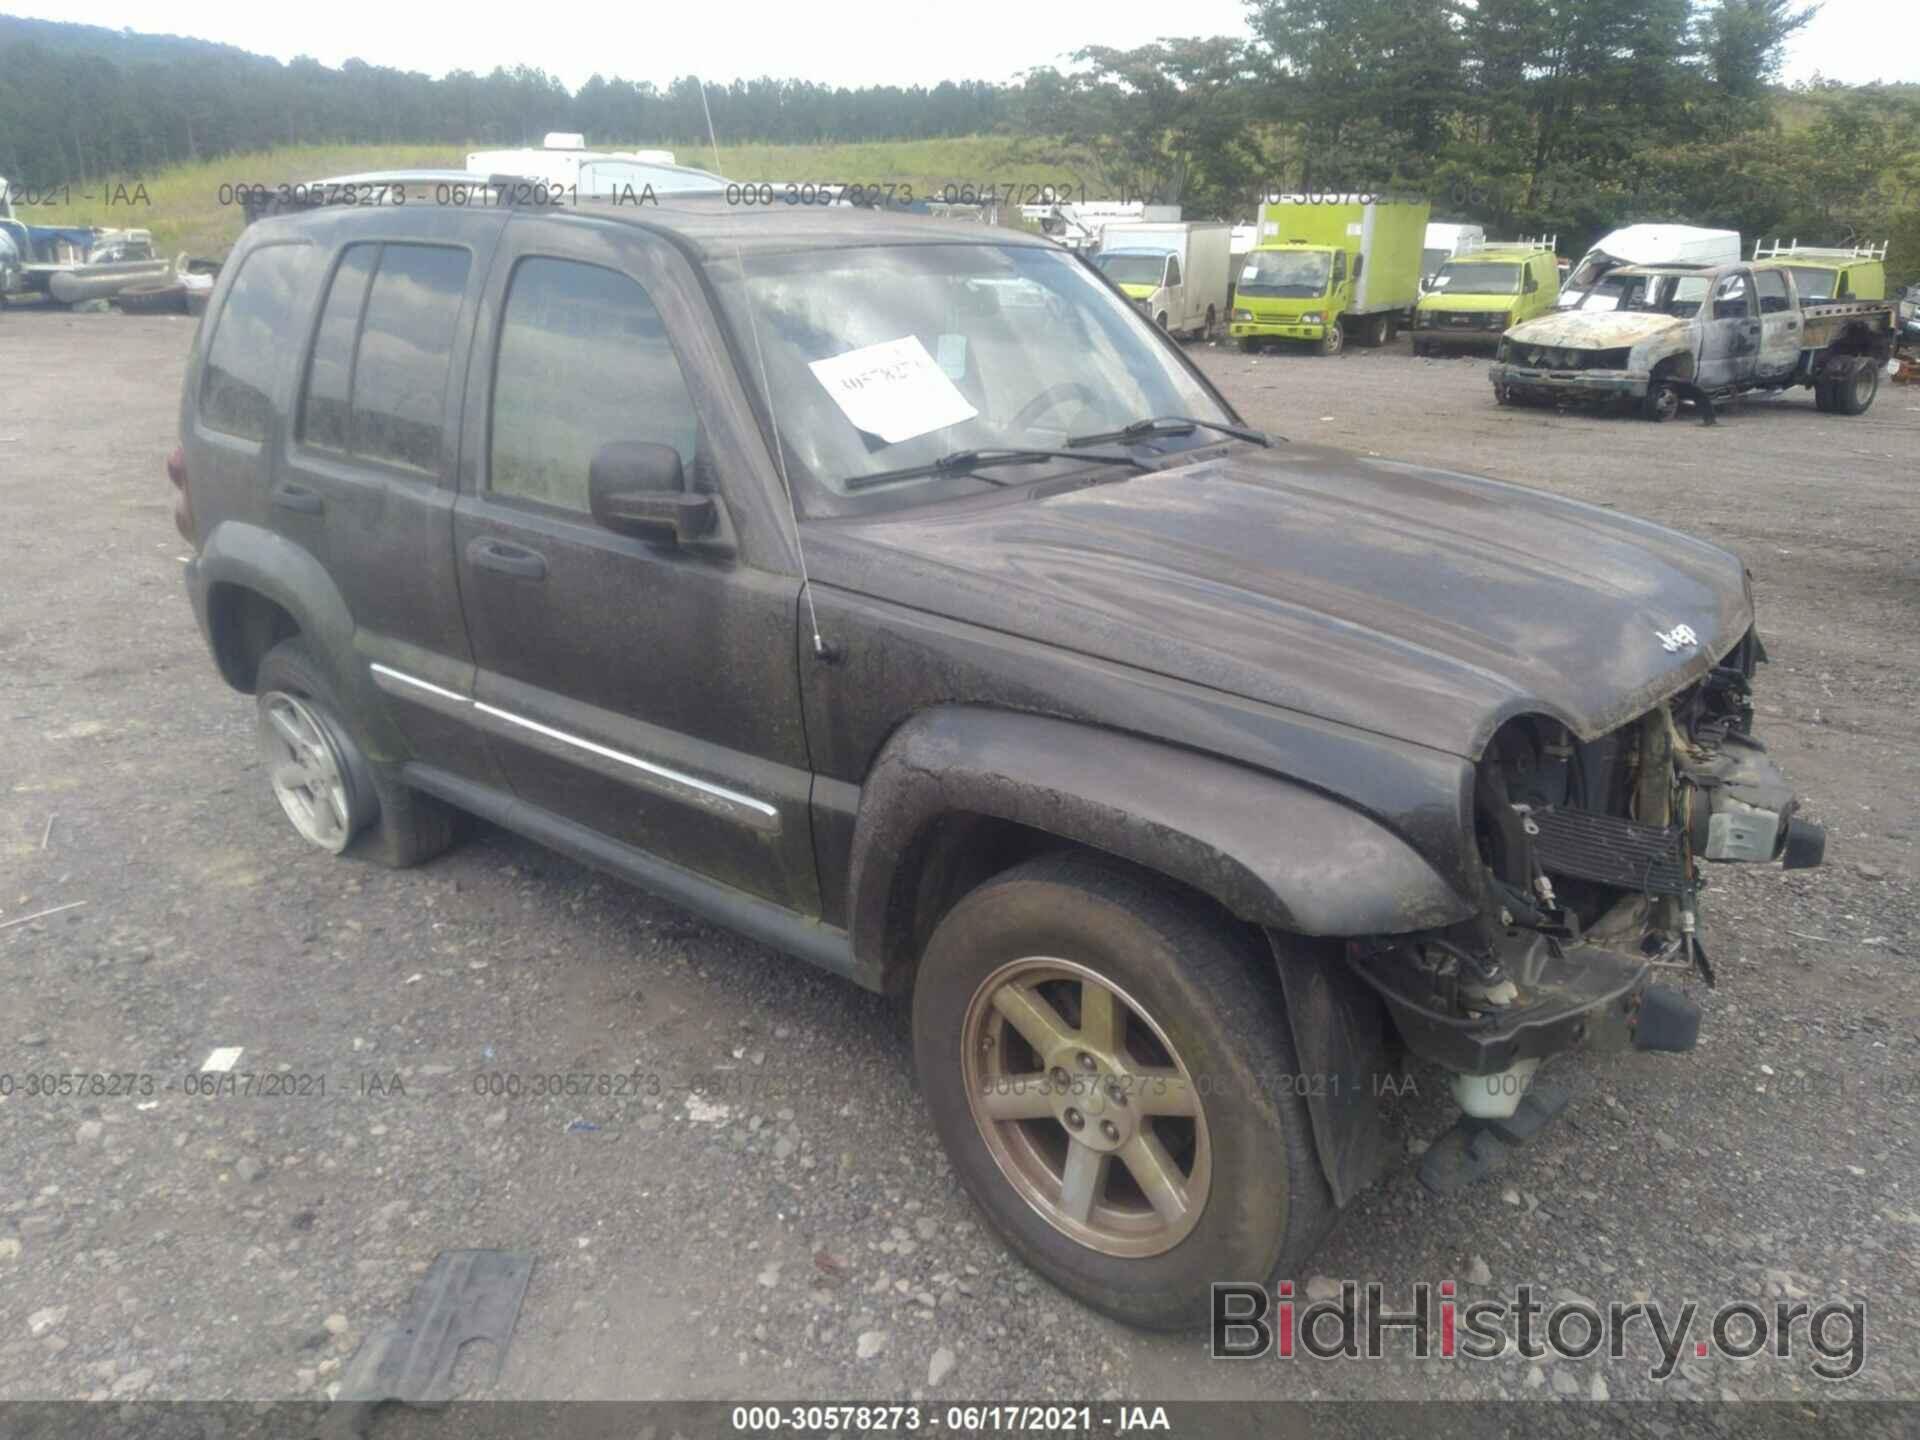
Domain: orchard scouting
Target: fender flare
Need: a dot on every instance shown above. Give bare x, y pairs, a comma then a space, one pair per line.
1271, 851
253, 558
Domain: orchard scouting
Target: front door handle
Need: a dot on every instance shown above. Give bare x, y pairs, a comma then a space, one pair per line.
297, 498
508, 559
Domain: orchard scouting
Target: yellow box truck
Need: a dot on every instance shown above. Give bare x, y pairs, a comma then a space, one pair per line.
1329, 266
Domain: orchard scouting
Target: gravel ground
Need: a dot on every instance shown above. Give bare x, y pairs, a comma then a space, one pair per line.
763, 1212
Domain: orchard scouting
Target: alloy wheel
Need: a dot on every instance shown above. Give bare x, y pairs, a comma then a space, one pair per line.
1085, 1106
308, 775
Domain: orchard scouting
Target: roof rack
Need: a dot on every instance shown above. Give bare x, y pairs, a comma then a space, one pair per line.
1794, 250
1525, 242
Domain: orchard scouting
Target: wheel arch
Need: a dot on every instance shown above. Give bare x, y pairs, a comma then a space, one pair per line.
256, 589
960, 793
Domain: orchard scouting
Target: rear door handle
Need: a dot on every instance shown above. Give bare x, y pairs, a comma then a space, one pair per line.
508, 559
297, 498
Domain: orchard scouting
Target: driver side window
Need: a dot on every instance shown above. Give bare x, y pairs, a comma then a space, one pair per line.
1173, 270
1339, 267
584, 361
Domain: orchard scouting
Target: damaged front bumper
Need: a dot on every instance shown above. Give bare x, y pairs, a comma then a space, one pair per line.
1588, 904
1592, 384
1564, 997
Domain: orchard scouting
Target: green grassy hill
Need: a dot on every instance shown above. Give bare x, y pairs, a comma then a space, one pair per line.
185, 209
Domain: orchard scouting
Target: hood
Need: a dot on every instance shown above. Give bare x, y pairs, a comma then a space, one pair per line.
1415, 603
1467, 301
1596, 329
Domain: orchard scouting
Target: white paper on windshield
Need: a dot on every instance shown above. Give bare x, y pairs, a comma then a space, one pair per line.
1252, 272
893, 390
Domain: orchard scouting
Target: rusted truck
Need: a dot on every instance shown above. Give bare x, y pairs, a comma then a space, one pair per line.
1646, 337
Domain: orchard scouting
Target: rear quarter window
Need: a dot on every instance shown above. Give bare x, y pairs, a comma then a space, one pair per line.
251, 332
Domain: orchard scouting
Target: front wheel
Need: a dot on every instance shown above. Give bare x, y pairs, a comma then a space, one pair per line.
1661, 402
1104, 1064
1332, 339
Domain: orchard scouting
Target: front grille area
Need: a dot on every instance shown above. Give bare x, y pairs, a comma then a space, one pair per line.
1555, 357
1642, 858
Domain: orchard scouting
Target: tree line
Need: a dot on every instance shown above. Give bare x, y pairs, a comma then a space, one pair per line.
1529, 116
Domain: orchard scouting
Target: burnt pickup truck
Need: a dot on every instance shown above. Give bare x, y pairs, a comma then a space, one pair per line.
1648, 336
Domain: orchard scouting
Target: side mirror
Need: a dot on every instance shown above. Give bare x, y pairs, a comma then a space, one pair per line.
636, 488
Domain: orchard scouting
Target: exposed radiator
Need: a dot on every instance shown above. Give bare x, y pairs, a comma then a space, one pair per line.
1643, 858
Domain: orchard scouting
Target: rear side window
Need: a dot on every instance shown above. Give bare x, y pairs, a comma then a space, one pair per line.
251, 331
377, 384
584, 361
1773, 291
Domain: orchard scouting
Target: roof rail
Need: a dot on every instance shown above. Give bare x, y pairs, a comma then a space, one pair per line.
1525, 242
1794, 250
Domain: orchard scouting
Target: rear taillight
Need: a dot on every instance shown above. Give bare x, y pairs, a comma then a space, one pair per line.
182, 501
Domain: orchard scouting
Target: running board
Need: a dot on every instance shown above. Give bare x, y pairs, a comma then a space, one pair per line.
813, 941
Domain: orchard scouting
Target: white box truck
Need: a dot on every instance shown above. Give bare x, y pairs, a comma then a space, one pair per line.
1687, 245
1176, 274
1445, 239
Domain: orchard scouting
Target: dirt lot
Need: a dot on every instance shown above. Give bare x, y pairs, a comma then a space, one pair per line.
741, 1238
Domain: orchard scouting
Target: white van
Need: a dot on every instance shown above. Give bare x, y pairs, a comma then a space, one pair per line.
1444, 241
1177, 274
1650, 245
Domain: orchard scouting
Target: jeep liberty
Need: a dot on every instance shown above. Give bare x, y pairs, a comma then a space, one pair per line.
894, 593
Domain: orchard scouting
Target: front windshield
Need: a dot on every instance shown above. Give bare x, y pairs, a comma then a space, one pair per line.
1432, 260
1677, 295
1299, 273
1478, 277
885, 357
1134, 269
1590, 269
1813, 283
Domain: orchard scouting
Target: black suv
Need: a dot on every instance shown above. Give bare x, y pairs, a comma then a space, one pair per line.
890, 591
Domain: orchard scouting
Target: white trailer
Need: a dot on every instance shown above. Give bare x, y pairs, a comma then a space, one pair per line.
1178, 274
1445, 240
563, 162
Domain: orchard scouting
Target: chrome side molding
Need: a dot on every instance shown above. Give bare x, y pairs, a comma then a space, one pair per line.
617, 765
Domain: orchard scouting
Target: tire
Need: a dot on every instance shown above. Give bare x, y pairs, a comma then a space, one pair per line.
1161, 319
1375, 335
1660, 403
1854, 392
1215, 1003
385, 821
1420, 349
1333, 341
1213, 325
167, 298
1823, 396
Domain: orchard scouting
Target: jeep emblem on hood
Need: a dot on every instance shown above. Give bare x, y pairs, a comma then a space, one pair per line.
1680, 637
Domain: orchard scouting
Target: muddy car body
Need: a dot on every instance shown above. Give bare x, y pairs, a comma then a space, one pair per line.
1188, 783
1646, 335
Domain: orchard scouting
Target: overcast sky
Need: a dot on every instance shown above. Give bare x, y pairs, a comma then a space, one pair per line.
852, 42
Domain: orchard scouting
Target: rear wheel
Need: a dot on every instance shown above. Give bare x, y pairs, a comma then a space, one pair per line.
1854, 392
1378, 328
1420, 347
333, 795
1097, 1056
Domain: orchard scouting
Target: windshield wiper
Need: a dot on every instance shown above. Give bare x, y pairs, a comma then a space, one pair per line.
1170, 425
960, 461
